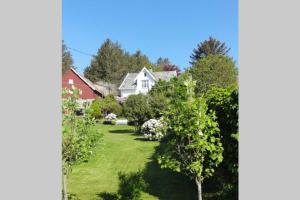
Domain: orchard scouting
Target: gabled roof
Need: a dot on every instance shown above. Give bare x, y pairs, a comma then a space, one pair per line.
129, 80
87, 81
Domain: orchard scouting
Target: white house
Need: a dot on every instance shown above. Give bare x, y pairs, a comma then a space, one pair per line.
142, 82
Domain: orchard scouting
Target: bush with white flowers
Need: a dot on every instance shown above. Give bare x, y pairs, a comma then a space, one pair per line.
153, 129
111, 117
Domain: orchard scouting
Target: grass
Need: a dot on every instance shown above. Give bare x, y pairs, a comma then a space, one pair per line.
123, 150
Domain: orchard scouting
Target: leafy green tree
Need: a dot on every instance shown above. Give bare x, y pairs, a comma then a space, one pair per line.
158, 103
137, 109
96, 110
67, 60
193, 145
110, 105
78, 135
224, 102
213, 70
211, 46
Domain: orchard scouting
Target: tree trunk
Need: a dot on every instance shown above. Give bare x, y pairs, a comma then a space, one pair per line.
198, 183
65, 197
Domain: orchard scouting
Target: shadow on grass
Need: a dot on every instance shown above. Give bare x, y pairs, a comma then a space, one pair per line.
124, 131
107, 196
166, 184
142, 139
162, 183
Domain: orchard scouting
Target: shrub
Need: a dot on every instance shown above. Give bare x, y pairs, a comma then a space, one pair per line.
110, 119
95, 107
158, 103
137, 109
111, 116
110, 105
224, 102
79, 136
131, 185
153, 129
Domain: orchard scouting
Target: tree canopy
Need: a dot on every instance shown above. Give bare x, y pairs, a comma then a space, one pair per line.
67, 60
213, 70
193, 144
112, 63
208, 47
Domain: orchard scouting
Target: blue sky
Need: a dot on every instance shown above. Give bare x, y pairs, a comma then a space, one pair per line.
162, 28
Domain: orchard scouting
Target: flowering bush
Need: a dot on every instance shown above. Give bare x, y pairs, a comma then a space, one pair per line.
153, 129
111, 116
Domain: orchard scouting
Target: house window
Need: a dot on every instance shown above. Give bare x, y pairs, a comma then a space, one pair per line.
145, 84
145, 74
70, 81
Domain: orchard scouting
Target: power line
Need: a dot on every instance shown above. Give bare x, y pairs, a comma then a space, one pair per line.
79, 51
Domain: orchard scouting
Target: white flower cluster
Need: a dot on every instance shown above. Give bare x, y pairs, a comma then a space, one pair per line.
111, 116
153, 129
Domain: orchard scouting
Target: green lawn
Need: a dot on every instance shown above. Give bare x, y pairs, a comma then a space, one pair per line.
122, 150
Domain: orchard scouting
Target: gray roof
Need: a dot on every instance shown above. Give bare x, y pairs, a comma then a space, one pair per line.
166, 75
128, 82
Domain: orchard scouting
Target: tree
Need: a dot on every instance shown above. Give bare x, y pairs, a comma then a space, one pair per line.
110, 105
139, 61
106, 63
137, 109
224, 101
78, 136
96, 110
171, 67
158, 103
193, 145
67, 60
112, 63
213, 70
211, 46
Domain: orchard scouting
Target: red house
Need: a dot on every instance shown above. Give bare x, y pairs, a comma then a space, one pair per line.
88, 91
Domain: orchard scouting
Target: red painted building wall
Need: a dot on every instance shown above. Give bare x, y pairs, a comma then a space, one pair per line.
86, 91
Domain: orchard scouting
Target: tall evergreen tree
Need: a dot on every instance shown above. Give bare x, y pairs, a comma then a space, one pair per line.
112, 63
106, 63
211, 46
67, 60
140, 60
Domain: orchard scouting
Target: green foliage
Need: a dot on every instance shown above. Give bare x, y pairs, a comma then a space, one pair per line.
218, 70
96, 110
110, 105
131, 185
112, 63
193, 146
67, 60
78, 134
211, 46
158, 103
137, 109
224, 102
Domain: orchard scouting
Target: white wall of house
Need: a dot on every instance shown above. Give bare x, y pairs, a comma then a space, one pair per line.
127, 92
144, 76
